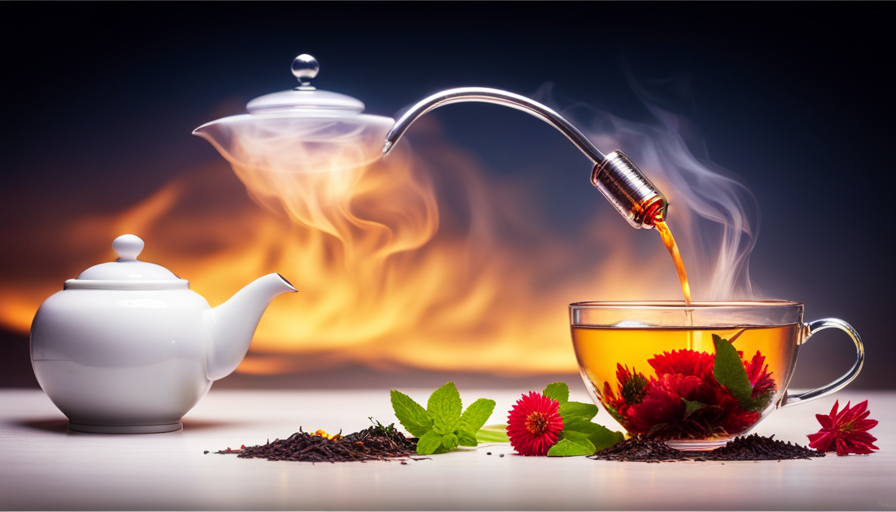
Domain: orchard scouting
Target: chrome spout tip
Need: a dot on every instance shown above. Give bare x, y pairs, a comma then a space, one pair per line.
387, 147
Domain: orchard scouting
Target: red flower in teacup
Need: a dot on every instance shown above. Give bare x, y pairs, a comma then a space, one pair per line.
846, 431
690, 397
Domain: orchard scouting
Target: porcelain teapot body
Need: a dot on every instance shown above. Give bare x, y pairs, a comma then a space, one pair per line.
129, 348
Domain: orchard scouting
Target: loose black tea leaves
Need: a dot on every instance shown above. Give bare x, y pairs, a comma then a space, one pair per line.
756, 447
750, 448
378, 442
640, 451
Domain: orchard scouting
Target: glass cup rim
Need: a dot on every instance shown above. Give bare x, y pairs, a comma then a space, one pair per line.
680, 304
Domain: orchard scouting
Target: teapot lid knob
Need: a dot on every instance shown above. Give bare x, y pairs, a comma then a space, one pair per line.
127, 247
305, 67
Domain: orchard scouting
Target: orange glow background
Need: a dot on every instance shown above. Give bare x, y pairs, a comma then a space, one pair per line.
386, 279
460, 253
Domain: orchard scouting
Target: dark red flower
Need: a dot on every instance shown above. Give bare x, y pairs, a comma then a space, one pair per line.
684, 400
533, 424
760, 378
631, 384
684, 362
845, 432
662, 413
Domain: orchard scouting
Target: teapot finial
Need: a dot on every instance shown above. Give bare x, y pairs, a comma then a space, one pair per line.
305, 68
128, 247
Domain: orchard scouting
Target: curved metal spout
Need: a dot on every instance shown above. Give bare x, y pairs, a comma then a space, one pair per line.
620, 180
498, 97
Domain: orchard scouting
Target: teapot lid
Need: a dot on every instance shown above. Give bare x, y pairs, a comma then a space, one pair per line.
299, 131
127, 272
305, 100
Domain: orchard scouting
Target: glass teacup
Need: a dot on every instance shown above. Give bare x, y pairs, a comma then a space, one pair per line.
695, 376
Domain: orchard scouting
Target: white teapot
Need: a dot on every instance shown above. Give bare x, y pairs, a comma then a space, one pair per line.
127, 347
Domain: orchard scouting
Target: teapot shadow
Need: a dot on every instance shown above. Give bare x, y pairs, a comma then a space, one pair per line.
52, 425
60, 426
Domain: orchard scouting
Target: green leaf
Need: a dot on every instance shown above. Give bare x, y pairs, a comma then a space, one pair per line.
429, 443
412, 415
558, 391
444, 406
476, 415
465, 438
599, 436
449, 442
577, 409
493, 434
691, 407
572, 447
605, 438
578, 424
729, 371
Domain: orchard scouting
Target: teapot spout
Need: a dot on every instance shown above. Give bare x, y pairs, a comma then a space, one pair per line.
221, 135
233, 323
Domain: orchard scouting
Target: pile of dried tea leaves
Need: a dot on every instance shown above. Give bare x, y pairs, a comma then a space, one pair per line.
750, 448
378, 442
637, 450
756, 447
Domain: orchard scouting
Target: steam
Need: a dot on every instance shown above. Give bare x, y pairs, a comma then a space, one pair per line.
714, 217
422, 260
327, 175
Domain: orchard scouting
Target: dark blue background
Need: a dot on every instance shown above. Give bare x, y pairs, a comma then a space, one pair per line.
99, 99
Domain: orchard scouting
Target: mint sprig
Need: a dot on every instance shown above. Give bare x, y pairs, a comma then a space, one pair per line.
580, 436
729, 371
442, 426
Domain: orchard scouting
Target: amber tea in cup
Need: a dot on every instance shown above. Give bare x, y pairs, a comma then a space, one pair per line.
695, 375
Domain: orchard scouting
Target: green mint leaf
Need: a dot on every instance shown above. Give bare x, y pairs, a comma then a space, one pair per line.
444, 406
465, 438
577, 409
476, 415
449, 442
691, 407
558, 391
412, 416
429, 443
493, 434
729, 371
599, 436
572, 447
605, 438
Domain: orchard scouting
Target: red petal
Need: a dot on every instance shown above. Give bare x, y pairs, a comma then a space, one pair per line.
863, 425
822, 441
842, 449
833, 413
825, 421
863, 437
840, 417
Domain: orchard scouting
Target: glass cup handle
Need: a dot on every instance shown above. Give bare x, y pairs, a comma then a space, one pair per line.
846, 378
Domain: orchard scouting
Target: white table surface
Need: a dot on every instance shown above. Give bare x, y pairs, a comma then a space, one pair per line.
44, 466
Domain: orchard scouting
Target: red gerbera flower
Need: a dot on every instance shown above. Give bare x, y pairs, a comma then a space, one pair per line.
533, 424
846, 431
